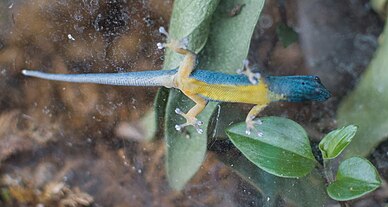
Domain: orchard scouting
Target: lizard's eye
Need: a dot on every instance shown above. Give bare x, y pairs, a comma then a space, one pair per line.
317, 79
303, 83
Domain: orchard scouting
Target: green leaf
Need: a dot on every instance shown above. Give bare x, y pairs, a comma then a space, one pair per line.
184, 156
336, 141
356, 177
223, 35
190, 19
225, 115
151, 121
230, 37
283, 149
366, 105
286, 35
186, 149
306, 192
380, 6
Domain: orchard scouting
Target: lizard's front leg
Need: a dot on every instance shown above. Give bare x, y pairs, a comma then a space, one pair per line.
180, 46
250, 120
248, 71
190, 117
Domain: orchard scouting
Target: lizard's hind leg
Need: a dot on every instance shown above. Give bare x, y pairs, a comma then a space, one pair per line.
250, 120
190, 117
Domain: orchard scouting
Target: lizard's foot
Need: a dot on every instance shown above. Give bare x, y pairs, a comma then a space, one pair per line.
173, 44
251, 127
190, 121
247, 70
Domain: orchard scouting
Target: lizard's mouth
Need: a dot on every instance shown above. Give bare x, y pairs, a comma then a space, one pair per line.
324, 94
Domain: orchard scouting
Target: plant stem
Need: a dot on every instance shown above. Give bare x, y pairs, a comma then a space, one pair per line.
328, 172
343, 203
329, 177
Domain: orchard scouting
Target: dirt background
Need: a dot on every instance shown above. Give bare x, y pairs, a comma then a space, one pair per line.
60, 143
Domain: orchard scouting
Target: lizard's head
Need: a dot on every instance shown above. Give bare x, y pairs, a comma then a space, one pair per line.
298, 88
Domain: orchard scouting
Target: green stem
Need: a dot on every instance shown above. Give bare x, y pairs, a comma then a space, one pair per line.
328, 172
329, 177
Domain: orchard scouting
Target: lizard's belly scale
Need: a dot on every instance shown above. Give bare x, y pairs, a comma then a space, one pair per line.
253, 94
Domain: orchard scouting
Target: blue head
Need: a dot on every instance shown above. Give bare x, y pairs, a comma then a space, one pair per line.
298, 88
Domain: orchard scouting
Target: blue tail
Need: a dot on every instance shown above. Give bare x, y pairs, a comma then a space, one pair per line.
142, 78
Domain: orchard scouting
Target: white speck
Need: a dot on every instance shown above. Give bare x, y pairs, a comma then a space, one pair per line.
70, 37
139, 171
268, 198
10, 6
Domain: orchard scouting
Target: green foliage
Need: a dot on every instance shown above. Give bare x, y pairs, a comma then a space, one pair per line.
185, 152
380, 6
336, 141
151, 120
311, 188
286, 35
366, 105
283, 149
356, 177
203, 22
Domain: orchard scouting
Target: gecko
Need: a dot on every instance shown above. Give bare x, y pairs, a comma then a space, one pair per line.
202, 86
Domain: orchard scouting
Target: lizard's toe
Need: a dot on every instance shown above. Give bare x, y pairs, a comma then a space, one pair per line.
178, 111
184, 43
199, 123
199, 130
251, 127
163, 31
252, 79
160, 45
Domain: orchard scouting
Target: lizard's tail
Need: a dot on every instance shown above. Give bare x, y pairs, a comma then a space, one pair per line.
142, 78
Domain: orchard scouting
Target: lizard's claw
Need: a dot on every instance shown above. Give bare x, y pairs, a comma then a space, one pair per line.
184, 43
247, 70
251, 127
190, 121
163, 31
160, 45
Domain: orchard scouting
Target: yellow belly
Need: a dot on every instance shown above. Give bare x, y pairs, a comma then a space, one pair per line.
252, 94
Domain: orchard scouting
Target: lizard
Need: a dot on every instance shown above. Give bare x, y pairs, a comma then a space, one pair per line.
202, 86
